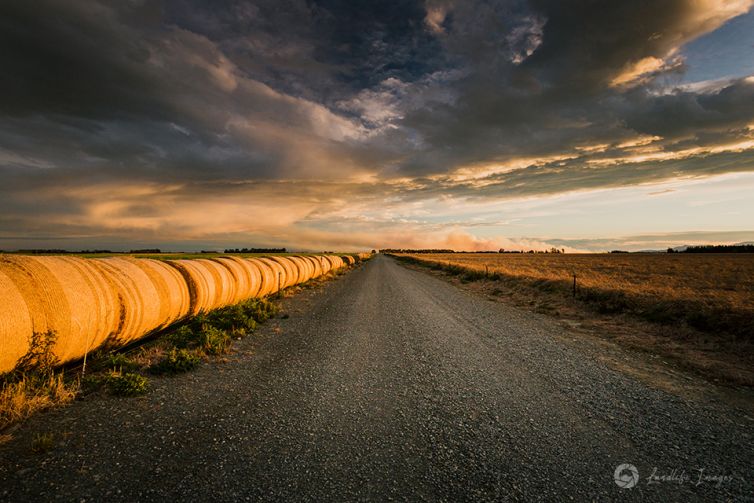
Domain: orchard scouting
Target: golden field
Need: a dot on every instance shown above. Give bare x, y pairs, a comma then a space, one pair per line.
709, 292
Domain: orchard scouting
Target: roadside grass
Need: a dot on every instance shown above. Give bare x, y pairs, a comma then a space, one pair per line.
37, 383
42, 442
708, 329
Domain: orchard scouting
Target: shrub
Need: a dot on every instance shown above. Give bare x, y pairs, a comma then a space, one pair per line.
213, 340
177, 361
183, 337
117, 361
128, 384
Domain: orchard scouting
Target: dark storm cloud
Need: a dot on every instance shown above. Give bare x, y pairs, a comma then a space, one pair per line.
560, 96
193, 94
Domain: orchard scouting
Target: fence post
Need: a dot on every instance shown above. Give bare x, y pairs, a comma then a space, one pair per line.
574, 285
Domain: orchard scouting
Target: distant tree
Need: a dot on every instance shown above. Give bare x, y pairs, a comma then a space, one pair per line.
670, 250
739, 248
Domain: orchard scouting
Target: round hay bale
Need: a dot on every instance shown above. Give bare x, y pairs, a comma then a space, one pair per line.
175, 300
278, 274
302, 269
254, 274
94, 305
225, 285
201, 283
268, 278
307, 267
316, 265
324, 264
349, 259
245, 275
335, 262
16, 328
238, 277
69, 297
291, 271
140, 302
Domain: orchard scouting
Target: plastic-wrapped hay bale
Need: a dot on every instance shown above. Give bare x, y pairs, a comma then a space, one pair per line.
201, 284
302, 269
291, 271
16, 327
68, 296
349, 259
278, 273
245, 275
267, 276
175, 300
139, 300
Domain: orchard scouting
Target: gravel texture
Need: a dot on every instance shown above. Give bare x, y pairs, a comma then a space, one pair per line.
388, 384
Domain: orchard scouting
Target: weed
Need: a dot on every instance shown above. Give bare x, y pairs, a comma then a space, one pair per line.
23, 394
175, 362
127, 384
117, 361
213, 340
237, 319
34, 384
42, 442
183, 337
39, 357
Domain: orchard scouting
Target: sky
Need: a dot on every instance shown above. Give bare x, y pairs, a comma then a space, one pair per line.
355, 124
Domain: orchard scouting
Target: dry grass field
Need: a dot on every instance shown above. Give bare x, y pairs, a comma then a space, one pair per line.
700, 301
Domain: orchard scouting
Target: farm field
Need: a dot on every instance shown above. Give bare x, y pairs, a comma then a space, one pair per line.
698, 308
724, 281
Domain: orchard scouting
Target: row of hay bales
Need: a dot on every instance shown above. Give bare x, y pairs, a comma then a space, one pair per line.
91, 303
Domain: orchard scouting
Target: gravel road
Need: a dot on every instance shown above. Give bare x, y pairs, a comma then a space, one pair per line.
389, 384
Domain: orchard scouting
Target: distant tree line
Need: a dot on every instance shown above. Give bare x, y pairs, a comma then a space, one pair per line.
433, 250
747, 248
255, 250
